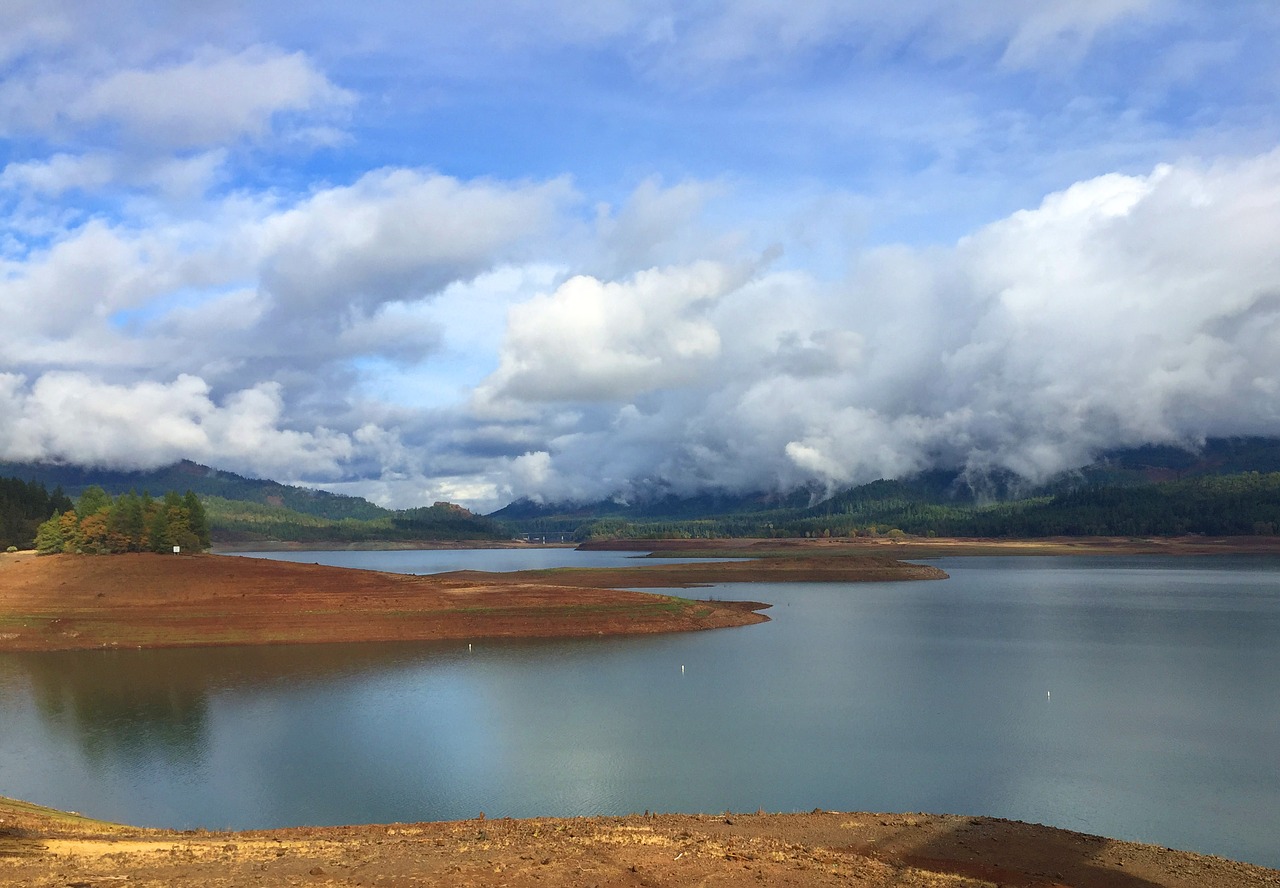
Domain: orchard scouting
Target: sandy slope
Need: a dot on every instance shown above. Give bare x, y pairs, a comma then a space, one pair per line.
42, 848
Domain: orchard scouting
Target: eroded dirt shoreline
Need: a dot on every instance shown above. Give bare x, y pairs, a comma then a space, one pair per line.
66, 602
42, 848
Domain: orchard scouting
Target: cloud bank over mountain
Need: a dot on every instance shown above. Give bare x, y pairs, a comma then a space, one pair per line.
577, 253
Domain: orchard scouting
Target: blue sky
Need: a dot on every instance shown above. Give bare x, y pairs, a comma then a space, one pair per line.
479, 251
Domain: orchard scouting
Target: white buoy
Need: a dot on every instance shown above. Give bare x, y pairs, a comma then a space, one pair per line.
682, 669
1048, 695
468, 647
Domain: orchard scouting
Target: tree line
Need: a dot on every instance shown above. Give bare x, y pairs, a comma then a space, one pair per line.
23, 505
99, 524
1246, 503
245, 522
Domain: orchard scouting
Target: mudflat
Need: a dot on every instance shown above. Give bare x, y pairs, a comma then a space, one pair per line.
39, 847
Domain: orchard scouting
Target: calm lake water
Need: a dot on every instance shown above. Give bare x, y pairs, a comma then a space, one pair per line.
431, 561
1132, 697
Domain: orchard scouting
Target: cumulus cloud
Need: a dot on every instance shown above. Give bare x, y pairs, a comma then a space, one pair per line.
75, 418
1123, 310
291, 301
592, 340
343, 272
398, 233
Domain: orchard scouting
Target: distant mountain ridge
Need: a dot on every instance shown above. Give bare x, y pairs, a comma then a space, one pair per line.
204, 481
250, 510
1083, 501
1163, 462
1155, 489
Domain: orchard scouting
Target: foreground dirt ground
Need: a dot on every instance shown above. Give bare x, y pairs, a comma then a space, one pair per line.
44, 848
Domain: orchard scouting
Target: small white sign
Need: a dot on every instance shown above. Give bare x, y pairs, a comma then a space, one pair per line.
177, 550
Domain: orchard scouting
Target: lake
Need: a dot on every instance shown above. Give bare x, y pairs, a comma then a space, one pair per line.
1131, 697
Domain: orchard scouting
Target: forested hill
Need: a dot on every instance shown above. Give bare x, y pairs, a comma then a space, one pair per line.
246, 510
1228, 487
201, 480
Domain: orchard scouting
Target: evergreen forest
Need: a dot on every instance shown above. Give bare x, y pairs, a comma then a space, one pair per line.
100, 524
24, 505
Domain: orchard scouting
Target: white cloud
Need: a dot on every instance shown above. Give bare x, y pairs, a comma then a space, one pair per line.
1123, 310
660, 225
175, 177
594, 340
397, 234
73, 417
344, 272
82, 280
60, 173
213, 99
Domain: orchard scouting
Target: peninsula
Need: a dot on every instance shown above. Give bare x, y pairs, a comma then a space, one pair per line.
143, 600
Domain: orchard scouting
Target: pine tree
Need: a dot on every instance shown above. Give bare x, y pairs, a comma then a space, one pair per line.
92, 501
49, 536
158, 537
196, 519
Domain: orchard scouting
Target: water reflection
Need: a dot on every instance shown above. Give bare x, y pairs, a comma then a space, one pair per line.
140, 704
115, 705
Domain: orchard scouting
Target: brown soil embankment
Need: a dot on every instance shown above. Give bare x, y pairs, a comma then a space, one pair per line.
42, 848
65, 602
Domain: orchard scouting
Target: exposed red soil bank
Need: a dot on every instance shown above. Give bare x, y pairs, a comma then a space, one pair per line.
64, 602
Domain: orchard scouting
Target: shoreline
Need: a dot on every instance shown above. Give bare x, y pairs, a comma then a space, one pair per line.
144, 600
44, 847
943, 547
894, 547
66, 602
232, 548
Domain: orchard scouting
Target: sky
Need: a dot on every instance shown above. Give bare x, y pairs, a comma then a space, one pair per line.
422, 251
